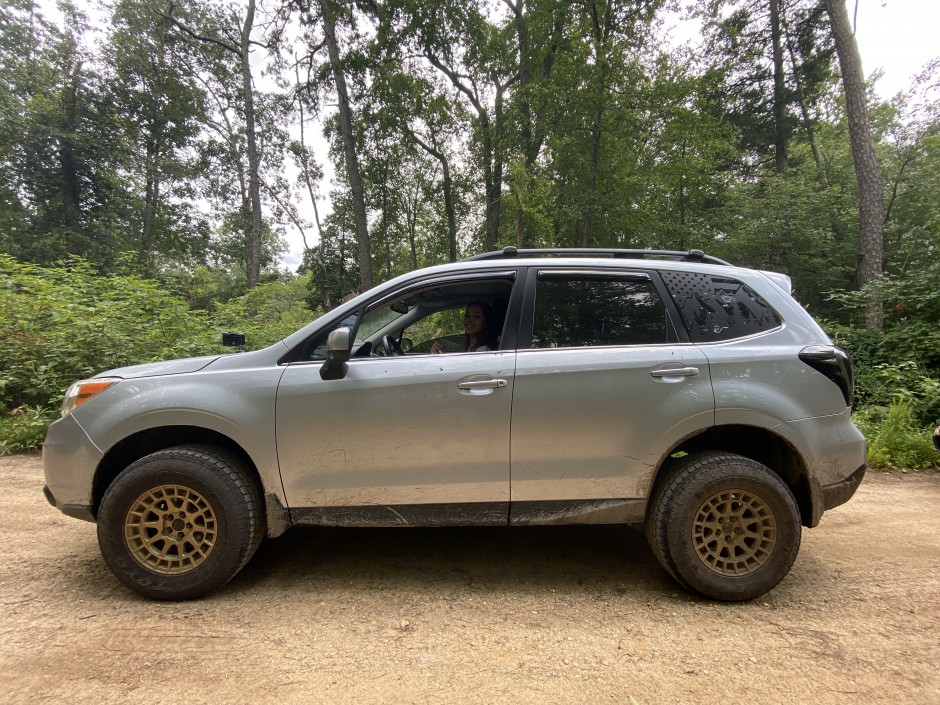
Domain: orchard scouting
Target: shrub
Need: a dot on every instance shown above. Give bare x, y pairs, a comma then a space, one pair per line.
23, 428
65, 323
61, 324
895, 439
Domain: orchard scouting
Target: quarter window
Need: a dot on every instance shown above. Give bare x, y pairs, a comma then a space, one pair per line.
716, 308
586, 311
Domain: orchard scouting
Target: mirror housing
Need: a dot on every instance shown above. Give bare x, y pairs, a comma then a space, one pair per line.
337, 345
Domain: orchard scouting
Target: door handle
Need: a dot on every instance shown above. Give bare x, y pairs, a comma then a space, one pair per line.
676, 372
483, 384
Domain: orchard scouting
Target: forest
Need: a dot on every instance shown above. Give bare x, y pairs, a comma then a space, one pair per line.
157, 155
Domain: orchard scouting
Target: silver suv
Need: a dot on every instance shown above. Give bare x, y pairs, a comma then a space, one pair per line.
667, 389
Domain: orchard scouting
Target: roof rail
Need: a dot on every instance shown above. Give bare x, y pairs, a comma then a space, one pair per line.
681, 255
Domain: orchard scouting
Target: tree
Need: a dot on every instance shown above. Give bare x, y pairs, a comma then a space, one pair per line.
867, 171
767, 97
233, 34
61, 144
349, 145
162, 107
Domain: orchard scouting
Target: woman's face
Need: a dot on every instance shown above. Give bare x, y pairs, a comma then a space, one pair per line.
474, 321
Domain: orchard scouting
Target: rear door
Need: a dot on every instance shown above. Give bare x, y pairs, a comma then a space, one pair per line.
604, 387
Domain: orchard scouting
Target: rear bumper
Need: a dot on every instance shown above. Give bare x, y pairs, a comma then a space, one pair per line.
841, 492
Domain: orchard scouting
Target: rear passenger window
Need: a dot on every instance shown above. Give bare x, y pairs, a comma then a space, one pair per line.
574, 311
715, 308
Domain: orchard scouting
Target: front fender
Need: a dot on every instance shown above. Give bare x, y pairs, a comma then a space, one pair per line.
237, 404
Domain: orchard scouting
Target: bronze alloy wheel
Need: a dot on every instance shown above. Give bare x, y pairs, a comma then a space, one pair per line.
734, 533
170, 529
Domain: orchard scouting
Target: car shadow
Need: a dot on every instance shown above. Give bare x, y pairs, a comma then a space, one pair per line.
456, 558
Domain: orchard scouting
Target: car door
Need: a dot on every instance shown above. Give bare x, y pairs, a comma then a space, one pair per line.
411, 438
604, 387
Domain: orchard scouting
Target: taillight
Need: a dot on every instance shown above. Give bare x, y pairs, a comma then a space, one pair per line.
835, 364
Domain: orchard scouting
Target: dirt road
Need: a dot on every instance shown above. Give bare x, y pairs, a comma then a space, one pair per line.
560, 615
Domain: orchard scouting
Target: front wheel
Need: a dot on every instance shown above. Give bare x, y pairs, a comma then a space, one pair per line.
724, 525
180, 522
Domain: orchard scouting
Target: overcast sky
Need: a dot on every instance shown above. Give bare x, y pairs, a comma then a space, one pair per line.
897, 36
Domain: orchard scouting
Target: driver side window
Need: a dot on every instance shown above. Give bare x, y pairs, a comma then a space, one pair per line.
461, 316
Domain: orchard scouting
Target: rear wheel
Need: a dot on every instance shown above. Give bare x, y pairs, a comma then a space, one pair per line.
724, 525
180, 522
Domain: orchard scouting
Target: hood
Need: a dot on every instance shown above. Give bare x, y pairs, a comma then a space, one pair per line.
156, 369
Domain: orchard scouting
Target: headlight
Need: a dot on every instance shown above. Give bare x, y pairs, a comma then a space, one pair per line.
80, 392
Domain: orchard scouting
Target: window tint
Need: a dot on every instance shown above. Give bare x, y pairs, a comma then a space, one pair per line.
578, 312
715, 308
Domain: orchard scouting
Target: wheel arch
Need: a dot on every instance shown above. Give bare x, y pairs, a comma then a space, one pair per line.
145, 442
760, 444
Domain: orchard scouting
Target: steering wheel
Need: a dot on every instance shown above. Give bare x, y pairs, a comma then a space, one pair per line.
391, 346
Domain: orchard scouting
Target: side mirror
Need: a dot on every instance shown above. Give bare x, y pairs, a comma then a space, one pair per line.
337, 345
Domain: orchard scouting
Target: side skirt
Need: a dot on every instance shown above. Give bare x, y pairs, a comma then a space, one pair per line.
561, 512
579, 511
468, 514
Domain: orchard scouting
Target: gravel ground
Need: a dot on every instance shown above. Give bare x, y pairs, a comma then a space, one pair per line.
547, 615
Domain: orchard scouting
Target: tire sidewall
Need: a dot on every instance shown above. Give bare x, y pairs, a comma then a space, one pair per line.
188, 470
694, 572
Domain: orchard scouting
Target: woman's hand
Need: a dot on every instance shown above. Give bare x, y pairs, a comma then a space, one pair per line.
437, 348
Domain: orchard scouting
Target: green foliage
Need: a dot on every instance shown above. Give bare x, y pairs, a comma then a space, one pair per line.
895, 439
266, 313
67, 323
23, 428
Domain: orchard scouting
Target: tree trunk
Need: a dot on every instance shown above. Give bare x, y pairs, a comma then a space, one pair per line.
494, 204
449, 209
349, 149
804, 107
253, 236
780, 108
68, 164
601, 36
151, 199
867, 172
489, 135
438, 153
588, 232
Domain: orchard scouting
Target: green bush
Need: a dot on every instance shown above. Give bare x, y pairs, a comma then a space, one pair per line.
267, 313
895, 439
884, 373
23, 428
61, 324
66, 323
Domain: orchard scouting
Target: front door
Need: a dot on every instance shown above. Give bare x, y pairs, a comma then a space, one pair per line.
404, 437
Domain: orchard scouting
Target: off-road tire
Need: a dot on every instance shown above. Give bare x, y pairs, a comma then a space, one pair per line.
180, 522
724, 526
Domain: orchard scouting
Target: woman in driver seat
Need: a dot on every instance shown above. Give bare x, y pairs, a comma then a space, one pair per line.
480, 333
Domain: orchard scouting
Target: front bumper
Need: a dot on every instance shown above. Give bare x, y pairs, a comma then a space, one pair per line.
70, 460
78, 511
